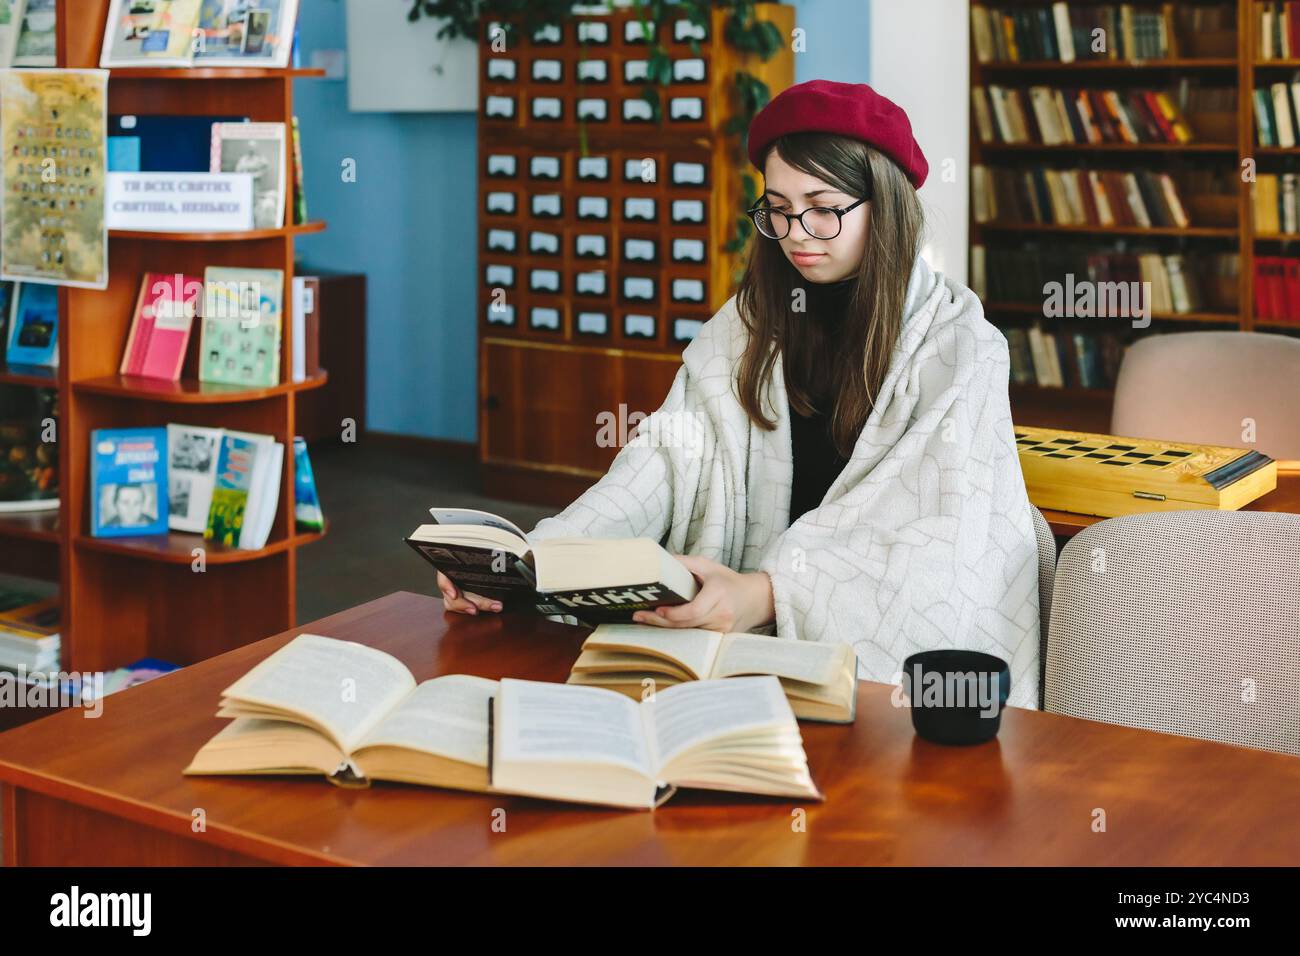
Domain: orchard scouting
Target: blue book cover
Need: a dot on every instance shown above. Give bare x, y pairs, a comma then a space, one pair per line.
128, 481
34, 325
307, 514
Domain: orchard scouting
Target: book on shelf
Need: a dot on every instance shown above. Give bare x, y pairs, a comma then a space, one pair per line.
29, 455
242, 34
1061, 358
531, 738
149, 33
819, 680
128, 481
242, 318
11, 18
259, 150
299, 191
33, 334
307, 515
36, 44
306, 327
29, 635
246, 490
160, 327
1277, 289
184, 33
596, 580
192, 453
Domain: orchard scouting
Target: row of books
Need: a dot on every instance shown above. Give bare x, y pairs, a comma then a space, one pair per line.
1273, 197
1178, 283
1057, 116
29, 323
241, 326
27, 33
1075, 197
1277, 288
270, 152
222, 483
257, 33
1066, 32
29, 631
1277, 30
1277, 107
1063, 359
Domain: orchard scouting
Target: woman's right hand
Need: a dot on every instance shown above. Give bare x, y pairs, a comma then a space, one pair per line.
464, 602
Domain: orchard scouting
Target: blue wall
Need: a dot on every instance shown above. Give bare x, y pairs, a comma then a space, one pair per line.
408, 221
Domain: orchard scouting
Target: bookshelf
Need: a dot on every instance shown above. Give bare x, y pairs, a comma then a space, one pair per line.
1213, 58
126, 598
561, 354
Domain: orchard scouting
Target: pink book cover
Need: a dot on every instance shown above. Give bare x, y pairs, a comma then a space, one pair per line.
169, 303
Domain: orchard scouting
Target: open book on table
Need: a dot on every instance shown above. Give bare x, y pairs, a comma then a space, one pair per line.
354, 714
820, 680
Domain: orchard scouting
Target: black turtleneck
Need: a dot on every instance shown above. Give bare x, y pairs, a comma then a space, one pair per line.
817, 463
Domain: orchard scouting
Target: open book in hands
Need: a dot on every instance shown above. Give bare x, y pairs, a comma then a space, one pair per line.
593, 579
353, 713
820, 680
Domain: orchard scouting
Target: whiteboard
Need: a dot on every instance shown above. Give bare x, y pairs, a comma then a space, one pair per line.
395, 66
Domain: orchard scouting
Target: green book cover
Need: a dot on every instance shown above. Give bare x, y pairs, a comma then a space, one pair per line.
242, 320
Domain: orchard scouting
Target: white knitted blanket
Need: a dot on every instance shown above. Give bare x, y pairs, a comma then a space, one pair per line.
926, 538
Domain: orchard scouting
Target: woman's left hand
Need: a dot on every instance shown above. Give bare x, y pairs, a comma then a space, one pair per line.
727, 600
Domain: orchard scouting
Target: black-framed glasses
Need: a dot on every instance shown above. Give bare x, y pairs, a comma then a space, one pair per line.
820, 222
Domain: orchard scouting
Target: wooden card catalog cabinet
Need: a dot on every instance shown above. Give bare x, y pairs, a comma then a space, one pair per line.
602, 231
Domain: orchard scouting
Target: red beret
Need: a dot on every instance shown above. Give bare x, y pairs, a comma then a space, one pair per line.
849, 109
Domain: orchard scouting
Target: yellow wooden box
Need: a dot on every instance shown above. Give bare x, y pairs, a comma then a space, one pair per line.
1109, 475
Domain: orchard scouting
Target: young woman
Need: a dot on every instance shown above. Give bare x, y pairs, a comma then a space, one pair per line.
852, 472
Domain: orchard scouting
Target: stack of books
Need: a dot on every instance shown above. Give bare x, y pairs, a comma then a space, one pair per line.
1077, 197
1053, 116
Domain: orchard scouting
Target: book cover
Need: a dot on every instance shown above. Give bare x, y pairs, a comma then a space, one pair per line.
299, 194
244, 33
307, 514
149, 33
33, 325
242, 316
192, 453
232, 488
160, 331
36, 45
128, 481
257, 149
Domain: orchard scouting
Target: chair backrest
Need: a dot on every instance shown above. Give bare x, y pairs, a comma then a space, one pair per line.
1183, 622
1046, 572
1200, 386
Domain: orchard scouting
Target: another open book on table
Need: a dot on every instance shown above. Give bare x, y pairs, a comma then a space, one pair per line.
820, 680
593, 579
353, 713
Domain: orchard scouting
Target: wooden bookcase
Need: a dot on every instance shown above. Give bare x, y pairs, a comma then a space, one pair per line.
541, 387
1201, 59
125, 598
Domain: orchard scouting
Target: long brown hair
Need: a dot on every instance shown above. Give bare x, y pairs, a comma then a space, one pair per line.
858, 360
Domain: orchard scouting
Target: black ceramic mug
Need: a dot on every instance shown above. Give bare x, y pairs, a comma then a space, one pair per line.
956, 696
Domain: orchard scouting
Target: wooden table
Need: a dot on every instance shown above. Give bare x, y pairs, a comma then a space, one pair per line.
1286, 497
110, 791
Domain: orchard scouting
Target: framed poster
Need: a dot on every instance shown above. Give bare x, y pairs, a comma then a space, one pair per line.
53, 128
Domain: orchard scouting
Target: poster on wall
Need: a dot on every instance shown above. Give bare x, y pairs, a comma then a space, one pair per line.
53, 126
